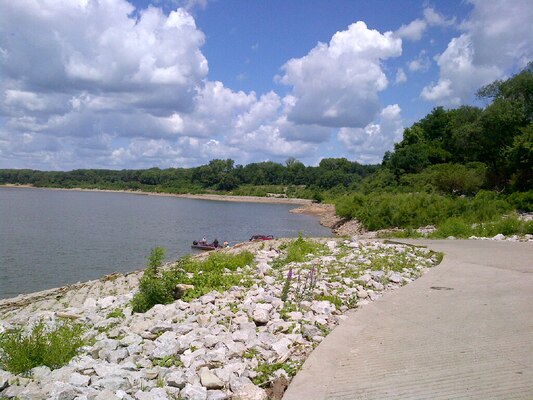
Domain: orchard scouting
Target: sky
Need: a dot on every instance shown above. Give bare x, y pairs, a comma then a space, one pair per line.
176, 83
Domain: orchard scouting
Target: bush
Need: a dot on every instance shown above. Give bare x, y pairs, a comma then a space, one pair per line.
412, 210
52, 347
217, 272
522, 201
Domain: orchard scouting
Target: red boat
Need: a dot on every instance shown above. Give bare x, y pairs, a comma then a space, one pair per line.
203, 245
257, 238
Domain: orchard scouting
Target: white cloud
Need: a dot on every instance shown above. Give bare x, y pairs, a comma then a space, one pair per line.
497, 39
400, 76
433, 18
369, 144
412, 31
337, 84
420, 63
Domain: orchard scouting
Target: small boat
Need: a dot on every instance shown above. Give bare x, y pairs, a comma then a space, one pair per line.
257, 238
202, 245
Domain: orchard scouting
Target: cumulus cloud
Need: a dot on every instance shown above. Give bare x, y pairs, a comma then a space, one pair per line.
337, 84
368, 144
496, 40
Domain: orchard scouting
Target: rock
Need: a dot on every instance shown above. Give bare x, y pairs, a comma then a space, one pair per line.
77, 379
180, 289
281, 347
176, 379
152, 373
261, 314
194, 392
362, 294
310, 331
107, 394
153, 394
364, 278
210, 380
377, 285
4, 379
166, 345
217, 395
396, 278
244, 389
322, 307
62, 391
106, 301
499, 236
38, 373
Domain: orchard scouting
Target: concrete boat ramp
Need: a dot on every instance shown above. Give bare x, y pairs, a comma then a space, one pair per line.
464, 330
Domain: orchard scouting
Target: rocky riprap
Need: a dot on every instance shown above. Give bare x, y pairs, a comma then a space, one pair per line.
245, 343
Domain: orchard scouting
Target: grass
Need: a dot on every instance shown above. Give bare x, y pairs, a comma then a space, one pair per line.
220, 271
51, 347
298, 250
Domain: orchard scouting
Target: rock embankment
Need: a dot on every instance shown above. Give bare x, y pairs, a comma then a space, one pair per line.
245, 343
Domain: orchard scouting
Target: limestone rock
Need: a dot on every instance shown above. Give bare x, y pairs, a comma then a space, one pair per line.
194, 392
210, 380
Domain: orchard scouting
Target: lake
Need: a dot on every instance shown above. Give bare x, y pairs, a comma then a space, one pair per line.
51, 238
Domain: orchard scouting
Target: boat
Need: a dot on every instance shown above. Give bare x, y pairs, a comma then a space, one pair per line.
202, 245
258, 238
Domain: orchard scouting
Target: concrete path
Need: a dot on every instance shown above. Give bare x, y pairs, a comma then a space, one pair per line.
462, 331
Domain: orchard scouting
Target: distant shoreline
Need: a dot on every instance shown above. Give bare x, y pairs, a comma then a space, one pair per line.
213, 197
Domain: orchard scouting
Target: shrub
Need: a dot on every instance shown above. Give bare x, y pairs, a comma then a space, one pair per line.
52, 347
217, 272
297, 250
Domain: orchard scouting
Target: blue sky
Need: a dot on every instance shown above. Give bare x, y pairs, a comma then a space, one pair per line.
176, 83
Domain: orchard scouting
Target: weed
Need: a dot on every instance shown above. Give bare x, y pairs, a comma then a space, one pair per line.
53, 347
265, 371
116, 313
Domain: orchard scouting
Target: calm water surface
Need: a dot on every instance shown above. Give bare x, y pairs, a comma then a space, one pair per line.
50, 238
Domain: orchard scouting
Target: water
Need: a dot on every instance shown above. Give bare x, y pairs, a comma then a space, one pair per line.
50, 238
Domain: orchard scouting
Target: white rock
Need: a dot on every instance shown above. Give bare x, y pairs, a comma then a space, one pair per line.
77, 379
153, 394
217, 395
60, 391
499, 236
322, 307
176, 379
210, 380
4, 379
396, 278
362, 294
281, 347
244, 389
106, 301
194, 392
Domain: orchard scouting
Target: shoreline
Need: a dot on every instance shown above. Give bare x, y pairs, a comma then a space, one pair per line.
204, 196
246, 342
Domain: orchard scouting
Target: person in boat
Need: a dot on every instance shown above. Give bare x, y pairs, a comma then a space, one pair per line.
204, 240
215, 243
225, 244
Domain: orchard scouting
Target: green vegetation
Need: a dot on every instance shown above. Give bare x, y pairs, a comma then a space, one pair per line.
265, 371
116, 313
51, 347
298, 250
219, 271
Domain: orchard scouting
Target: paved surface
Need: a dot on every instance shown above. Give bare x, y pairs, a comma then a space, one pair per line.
462, 331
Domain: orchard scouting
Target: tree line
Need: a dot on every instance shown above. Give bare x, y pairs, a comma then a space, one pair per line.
450, 151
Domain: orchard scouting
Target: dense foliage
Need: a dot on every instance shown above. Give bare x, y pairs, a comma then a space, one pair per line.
49, 346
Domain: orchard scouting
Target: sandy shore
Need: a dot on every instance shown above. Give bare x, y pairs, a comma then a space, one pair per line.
214, 197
